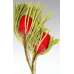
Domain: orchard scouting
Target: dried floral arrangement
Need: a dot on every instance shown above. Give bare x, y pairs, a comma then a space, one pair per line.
30, 31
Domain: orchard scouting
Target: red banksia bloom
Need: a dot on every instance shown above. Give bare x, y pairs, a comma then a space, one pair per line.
43, 43
24, 24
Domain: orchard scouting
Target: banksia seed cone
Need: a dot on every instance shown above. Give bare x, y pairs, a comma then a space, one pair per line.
43, 43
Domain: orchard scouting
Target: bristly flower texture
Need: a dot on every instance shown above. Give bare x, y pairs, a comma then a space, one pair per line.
29, 25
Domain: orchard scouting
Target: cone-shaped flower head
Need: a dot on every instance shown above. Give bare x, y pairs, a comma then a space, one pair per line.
25, 24
43, 43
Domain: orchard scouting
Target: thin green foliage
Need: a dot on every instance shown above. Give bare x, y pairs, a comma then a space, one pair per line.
38, 20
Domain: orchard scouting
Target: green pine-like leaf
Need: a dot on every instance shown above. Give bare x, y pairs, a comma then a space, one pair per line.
53, 43
38, 20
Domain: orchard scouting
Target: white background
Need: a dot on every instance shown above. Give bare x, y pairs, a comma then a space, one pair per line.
66, 31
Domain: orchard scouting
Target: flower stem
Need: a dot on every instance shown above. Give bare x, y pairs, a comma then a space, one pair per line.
32, 65
26, 52
33, 68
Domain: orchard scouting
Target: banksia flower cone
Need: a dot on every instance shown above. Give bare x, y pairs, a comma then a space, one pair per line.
43, 43
25, 24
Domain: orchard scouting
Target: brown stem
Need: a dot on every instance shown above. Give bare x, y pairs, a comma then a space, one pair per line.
25, 49
34, 64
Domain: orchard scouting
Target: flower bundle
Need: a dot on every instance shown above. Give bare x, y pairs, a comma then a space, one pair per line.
29, 27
